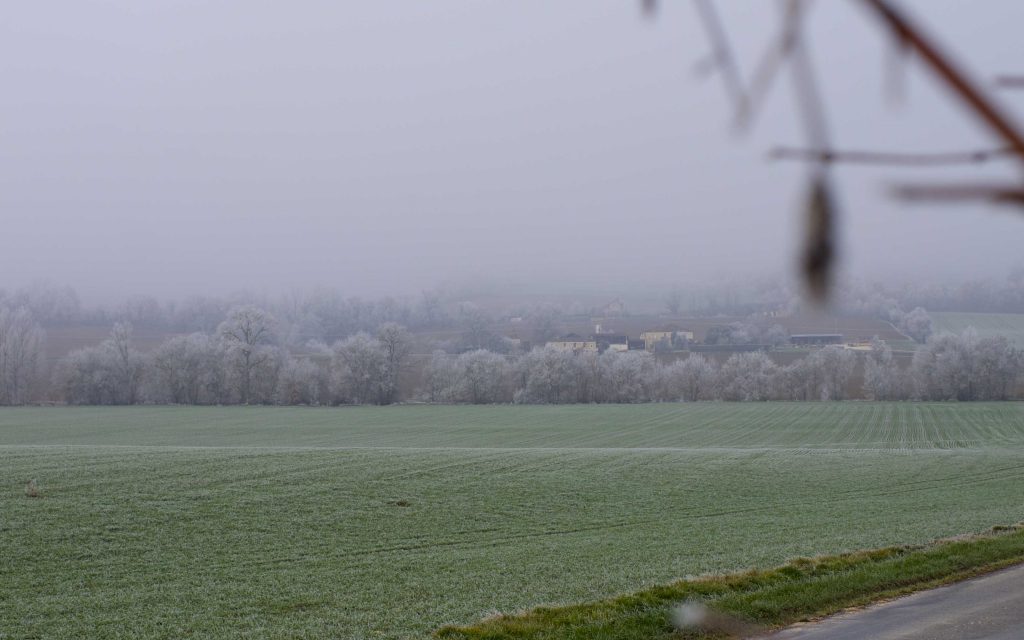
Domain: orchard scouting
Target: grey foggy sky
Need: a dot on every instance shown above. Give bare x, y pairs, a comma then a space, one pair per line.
172, 147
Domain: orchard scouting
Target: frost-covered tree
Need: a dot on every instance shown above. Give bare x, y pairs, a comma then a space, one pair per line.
942, 368
999, 366
917, 324
362, 369
246, 334
199, 313
86, 376
882, 380
441, 377
396, 341
482, 378
626, 376
129, 365
965, 367
836, 364
21, 350
747, 376
302, 381
190, 370
687, 380
801, 380
109, 373
547, 376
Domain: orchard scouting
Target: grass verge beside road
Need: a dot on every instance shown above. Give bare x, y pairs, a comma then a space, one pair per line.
802, 589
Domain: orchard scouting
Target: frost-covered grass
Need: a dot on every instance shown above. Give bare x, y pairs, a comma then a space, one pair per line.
390, 522
1010, 325
751, 602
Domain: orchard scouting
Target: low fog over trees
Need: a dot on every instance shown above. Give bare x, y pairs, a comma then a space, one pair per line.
241, 364
329, 350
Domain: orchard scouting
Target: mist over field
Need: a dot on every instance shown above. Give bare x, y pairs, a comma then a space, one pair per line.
467, 319
172, 148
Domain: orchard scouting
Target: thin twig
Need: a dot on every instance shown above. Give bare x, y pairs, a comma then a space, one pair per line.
947, 193
889, 158
722, 54
770, 63
809, 100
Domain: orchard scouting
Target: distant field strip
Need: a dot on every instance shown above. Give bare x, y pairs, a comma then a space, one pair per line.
1010, 325
233, 522
854, 425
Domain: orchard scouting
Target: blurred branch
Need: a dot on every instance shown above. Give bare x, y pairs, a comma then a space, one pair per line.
896, 57
722, 57
996, 193
1007, 81
889, 158
942, 65
770, 63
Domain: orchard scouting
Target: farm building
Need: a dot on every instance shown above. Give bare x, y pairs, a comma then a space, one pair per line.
613, 341
670, 334
728, 348
815, 339
573, 342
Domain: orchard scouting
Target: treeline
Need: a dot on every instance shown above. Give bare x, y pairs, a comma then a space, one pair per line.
948, 367
244, 362
322, 314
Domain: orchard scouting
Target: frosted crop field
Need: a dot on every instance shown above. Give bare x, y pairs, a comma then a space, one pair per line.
1010, 325
389, 522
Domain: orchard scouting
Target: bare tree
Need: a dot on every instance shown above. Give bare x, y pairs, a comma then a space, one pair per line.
396, 341
245, 333
21, 346
674, 301
129, 365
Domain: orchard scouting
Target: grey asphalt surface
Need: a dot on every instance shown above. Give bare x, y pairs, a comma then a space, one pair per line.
990, 607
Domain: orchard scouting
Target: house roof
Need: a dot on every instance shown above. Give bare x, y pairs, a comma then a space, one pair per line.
572, 337
816, 335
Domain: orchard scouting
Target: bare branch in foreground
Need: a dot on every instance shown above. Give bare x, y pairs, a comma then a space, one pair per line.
1007, 81
721, 53
958, 81
1012, 194
890, 158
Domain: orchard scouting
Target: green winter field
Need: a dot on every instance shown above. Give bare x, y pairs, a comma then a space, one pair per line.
231, 522
1010, 325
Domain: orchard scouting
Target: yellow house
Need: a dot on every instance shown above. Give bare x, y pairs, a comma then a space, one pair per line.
651, 338
574, 343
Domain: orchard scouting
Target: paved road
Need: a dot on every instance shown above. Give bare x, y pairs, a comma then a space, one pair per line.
989, 607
